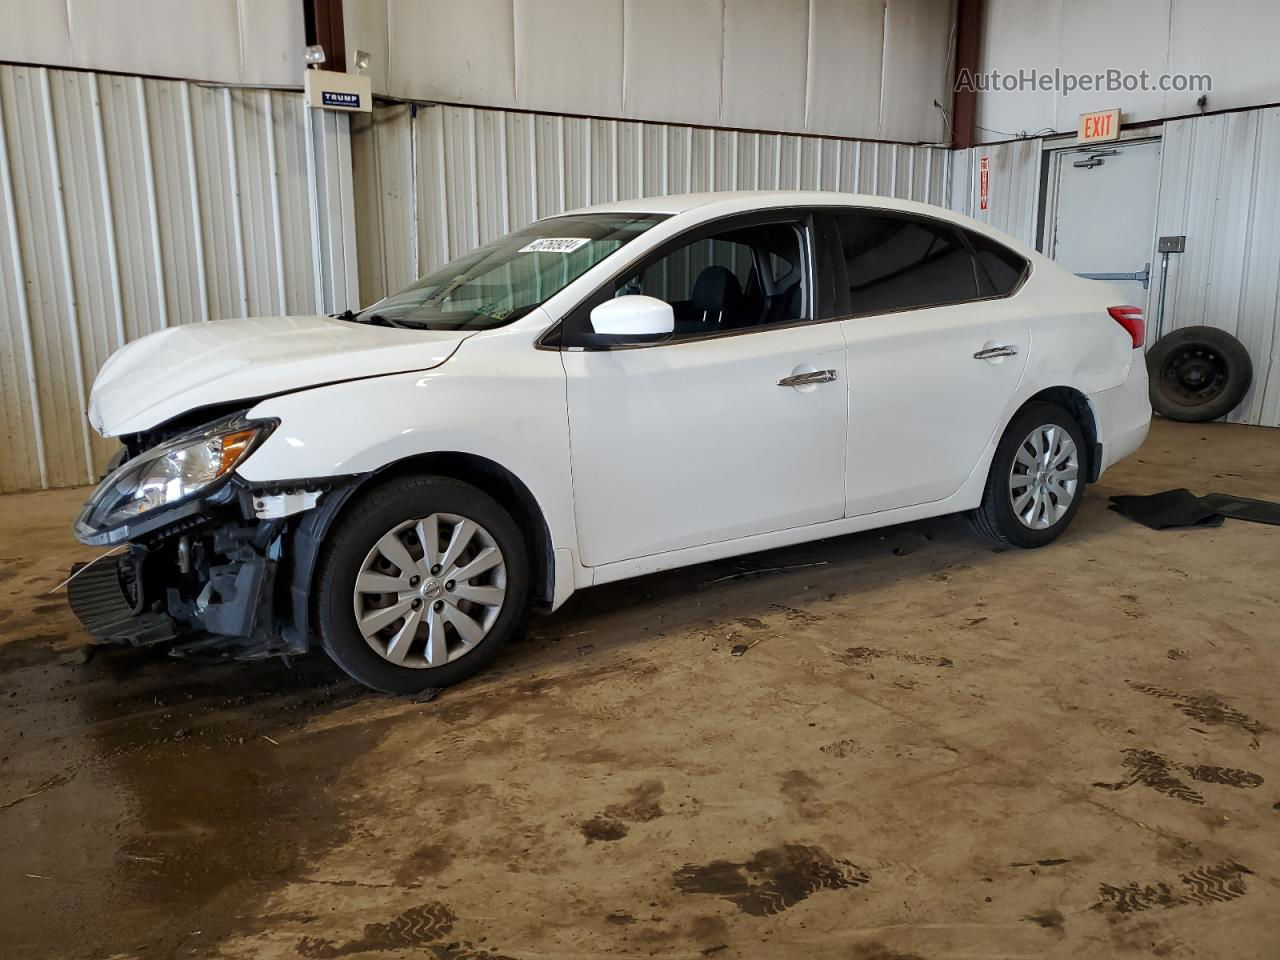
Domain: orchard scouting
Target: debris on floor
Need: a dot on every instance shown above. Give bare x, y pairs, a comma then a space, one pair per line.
760, 571
1182, 508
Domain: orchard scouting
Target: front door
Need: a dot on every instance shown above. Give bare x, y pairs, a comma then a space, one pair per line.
701, 439
1102, 213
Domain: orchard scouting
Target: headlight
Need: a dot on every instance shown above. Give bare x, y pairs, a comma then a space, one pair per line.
172, 473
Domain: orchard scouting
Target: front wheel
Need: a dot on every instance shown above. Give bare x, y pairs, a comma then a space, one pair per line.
420, 584
1036, 481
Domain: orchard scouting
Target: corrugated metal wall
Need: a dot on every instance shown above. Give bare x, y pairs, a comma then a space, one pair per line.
1013, 201
433, 182
1219, 188
128, 205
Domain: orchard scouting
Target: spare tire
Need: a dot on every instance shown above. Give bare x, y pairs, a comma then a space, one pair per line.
1198, 374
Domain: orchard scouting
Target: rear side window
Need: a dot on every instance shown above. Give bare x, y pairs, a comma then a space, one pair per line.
900, 263
1000, 270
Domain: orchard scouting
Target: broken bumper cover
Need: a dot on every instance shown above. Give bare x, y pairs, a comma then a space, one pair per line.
104, 597
207, 590
227, 575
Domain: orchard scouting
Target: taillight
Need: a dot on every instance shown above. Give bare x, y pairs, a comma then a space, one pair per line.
1130, 318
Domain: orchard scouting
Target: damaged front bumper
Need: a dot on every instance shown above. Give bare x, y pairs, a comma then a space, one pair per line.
208, 589
226, 575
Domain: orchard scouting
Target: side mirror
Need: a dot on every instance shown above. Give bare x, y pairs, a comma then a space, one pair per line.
634, 316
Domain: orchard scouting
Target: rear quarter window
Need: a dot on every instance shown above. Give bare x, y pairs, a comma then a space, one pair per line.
1000, 269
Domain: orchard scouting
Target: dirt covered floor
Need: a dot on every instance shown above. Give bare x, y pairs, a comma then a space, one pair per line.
929, 750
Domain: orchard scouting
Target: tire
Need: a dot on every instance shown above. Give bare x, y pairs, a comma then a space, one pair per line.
470, 632
1198, 374
995, 518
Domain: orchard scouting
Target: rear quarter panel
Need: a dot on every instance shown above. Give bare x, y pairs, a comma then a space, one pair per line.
1074, 341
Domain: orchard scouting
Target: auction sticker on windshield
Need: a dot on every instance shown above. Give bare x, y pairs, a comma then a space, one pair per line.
554, 245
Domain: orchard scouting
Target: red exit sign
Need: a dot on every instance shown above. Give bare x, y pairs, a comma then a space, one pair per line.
1102, 125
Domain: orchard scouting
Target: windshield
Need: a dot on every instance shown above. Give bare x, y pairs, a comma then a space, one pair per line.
502, 281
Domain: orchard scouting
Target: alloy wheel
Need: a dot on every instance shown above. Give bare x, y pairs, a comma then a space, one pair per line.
1044, 477
429, 590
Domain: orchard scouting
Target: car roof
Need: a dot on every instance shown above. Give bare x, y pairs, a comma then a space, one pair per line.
700, 207
731, 201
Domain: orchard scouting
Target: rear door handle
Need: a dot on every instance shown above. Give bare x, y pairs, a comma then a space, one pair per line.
990, 353
804, 379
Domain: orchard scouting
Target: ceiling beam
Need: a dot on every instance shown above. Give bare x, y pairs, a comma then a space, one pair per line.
322, 20
964, 103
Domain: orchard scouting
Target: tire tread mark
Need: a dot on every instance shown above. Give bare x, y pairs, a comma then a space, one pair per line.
1204, 709
416, 927
1201, 886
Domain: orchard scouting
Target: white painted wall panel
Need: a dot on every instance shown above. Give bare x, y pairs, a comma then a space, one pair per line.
234, 41
1230, 41
365, 24
672, 60
1133, 40
1235, 43
35, 32
271, 33
1017, 34
845, 64
911, 82
435, 182
1218, 188
569, 52
454, 50
128, 205
765, 52
852, 68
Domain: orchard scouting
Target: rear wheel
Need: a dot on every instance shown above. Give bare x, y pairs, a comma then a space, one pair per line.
1036, 480
420, 584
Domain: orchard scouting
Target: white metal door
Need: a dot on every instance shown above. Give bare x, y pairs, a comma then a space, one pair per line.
922, 406
696, 442
1103, 211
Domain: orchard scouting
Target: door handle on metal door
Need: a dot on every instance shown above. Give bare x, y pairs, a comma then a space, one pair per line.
990, 353
804, 379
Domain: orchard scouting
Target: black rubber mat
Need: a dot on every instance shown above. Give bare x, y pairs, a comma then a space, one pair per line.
1243, 508
1173, 508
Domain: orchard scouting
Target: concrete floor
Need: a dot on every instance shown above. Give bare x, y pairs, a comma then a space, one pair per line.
931, 750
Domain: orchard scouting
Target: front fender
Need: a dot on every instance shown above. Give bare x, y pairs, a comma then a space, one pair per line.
484, 402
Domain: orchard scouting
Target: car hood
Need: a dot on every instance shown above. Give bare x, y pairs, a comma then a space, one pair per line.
173, 371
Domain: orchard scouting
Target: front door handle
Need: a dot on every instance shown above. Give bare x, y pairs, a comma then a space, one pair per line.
990, 353
804, 379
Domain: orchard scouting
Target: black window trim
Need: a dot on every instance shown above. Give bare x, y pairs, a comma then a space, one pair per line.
816, 248
836, 256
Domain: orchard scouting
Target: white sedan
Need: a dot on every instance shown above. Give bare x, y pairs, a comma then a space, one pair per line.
615, 391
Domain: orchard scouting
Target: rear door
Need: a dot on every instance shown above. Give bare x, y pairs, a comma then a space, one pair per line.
936, 351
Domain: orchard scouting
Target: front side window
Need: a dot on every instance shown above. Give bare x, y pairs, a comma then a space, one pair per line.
504, 280
899, 263
739, 279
